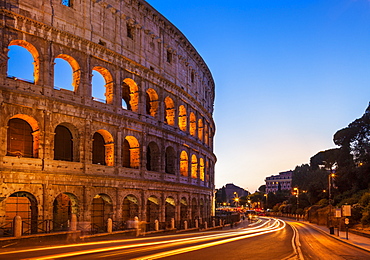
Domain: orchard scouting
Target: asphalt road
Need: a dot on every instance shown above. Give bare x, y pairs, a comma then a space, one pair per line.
266, 239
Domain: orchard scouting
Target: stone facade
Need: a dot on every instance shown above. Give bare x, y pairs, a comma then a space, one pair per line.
145, 150
283, 181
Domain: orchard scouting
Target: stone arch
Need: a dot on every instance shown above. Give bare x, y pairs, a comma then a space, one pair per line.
130, 93
152, 103
201, 209
108, 83
192, 124
169, 117
184, 164
152, 211
194, 166
200, 129
170, 160
130, 208
201, 169
170, 209
206, 134
23, 135
182, 118
101, 210
131, 152
103, 148
63, 144
76, 70
64, 205
153, 157
25, 205
35, 54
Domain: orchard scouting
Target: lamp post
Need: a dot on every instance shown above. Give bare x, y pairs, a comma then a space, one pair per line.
297, 194
330, 180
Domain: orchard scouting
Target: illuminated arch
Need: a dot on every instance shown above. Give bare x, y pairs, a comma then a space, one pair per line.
200, 129
76, 70
152, 211
183, 209
169, 111
131, 152
108, 91
206, 135
170, 209
103, 146
32, 141
35, 54
182, 118
192, 124
152, 103
130, 208
184, 164
130, 93
194, 166
201, 169
101, 210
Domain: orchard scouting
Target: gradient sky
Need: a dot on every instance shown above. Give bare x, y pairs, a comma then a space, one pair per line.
288, 73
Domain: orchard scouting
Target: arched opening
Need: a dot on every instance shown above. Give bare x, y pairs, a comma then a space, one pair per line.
170, 157
130, 208
126, 96
132, 100
24, 63
201, 169
103, 148
101, 210
200, 129
170, 209
193, 124
131, 153
152, 157
201, 209
194, 166
67, 73
63, 144
152, 211
151, 102
64, 205
184, 164
22, 204
206, 135
98, 149
169, 116
182, 118
21, 138
102, 85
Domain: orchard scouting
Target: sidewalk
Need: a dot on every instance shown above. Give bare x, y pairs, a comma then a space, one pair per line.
353, 239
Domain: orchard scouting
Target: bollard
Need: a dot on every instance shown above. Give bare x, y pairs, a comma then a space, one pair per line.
172, 223
185, 225
205, 225
196, 223
73, 226
213, 223
156, 225
17, 229
109, 225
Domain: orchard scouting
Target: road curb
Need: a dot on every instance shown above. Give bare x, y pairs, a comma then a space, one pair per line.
337, 238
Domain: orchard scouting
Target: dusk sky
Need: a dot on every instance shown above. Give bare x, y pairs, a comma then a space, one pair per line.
288, 74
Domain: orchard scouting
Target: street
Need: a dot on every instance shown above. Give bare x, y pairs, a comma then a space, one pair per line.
267, 238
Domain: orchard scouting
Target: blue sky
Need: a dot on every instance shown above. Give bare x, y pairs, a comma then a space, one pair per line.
288, 75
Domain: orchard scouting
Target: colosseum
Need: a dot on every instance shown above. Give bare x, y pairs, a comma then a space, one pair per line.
128, 131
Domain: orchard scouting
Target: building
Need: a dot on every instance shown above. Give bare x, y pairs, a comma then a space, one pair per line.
229, 192
283, 181
144, 147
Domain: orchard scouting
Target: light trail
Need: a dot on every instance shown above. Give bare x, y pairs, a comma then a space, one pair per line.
272, 225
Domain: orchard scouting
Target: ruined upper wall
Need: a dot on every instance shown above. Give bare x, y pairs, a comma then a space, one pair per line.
106, 22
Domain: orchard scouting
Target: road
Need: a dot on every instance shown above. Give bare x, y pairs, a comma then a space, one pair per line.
265, 239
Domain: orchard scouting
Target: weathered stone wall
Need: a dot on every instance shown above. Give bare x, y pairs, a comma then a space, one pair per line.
93, 34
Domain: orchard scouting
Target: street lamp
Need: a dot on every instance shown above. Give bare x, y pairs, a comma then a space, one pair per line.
297, 194
330, 180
